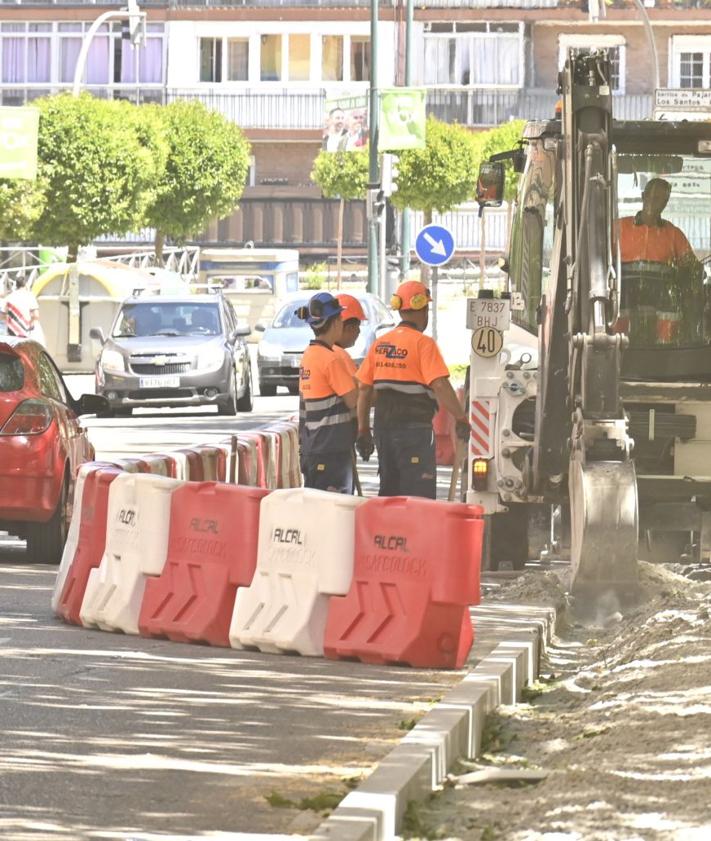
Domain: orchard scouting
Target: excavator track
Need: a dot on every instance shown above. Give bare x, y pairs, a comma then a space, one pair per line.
604, 524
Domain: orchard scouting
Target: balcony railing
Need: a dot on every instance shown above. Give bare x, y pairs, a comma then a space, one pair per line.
285, 109
491, 107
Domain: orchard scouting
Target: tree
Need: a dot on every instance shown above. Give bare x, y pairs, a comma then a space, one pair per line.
205, 172
21, 205
341, 175
440, 176
94, 170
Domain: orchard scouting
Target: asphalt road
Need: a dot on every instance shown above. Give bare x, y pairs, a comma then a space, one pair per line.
109, 736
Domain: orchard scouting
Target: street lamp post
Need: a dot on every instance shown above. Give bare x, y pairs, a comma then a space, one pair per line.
373, 168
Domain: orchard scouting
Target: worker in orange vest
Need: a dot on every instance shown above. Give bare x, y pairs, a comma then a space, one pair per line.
406, 376
648, 237
327, 398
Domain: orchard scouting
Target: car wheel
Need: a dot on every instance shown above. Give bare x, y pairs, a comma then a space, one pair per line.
267, 390
246, 403
45, 541
228, 405
509, 538
123, 412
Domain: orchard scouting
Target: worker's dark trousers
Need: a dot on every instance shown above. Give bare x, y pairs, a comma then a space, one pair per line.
406, 461
328, 471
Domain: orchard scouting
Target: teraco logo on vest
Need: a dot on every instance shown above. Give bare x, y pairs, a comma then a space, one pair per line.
391, 351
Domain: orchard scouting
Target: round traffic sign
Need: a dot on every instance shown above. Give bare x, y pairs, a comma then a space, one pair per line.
487, 342
434, 245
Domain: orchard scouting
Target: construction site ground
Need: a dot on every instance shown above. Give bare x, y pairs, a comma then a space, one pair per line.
612, 744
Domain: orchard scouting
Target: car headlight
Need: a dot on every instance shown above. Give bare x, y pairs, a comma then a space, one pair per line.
267, 350
213, 357
113, 362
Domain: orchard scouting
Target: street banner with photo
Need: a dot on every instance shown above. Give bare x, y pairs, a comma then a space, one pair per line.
346, 124
403, 119
19, 127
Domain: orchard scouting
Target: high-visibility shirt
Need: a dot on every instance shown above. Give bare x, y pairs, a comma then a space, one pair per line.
343, 354
325, 420
401, 366
19, 306
663, 243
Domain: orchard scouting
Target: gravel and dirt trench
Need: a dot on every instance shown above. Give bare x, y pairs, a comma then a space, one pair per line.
619, 727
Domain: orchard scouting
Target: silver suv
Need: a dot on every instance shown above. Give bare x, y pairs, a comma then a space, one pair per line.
174, 351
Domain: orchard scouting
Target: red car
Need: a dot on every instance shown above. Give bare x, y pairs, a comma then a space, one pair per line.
42, 446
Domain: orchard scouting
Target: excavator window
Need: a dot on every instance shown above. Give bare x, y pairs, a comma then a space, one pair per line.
664, 234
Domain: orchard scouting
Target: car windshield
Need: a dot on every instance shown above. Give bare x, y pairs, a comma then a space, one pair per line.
12, 374
664, 213
168, 319
286, 317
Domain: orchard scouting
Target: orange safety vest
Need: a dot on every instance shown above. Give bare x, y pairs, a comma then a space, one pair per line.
347, 359
325, 420
663, 243
401, 366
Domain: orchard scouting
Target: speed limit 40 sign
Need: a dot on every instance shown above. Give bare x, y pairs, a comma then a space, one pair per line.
487, 341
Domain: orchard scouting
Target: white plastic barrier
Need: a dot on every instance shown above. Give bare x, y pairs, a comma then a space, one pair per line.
158, 464
215, 461
230, 445
305, 555
291, 471
137, 531
248, 470
273, 450
70, 547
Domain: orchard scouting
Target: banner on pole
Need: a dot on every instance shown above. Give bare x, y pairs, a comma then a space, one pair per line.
19, 127
403, 119
346, 124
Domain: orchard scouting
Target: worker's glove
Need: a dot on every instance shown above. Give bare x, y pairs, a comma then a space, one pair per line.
462, 429
365, 445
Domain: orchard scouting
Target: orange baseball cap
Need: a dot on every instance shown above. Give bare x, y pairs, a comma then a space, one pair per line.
351, 307
411, 295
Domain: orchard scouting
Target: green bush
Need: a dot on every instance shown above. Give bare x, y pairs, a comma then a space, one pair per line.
316, 276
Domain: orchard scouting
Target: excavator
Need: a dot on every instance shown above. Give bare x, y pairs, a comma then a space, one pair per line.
609, 422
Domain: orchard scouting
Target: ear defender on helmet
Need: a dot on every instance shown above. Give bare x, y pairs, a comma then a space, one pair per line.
418, 302
302, 313
396, 302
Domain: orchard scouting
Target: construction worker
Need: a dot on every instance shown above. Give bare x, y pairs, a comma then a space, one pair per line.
648, 237
351, 315
405, 374
327, 396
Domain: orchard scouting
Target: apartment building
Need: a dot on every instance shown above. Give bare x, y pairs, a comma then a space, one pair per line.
270, 65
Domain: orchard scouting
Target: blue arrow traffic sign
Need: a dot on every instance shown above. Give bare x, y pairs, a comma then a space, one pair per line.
434, 245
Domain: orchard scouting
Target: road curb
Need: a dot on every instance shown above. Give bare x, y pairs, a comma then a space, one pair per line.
510, 641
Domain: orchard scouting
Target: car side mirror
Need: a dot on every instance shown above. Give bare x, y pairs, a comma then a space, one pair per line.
259, 327
241, 331
91, 404
98, 334
490, 184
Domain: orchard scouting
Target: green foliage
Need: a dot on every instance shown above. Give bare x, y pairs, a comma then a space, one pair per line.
323, 802
21, 205
205, 172
94, 170
443, 174
316, 276
341, 174
502, 139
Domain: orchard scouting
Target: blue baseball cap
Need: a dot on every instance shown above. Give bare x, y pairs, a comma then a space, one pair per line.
319, 309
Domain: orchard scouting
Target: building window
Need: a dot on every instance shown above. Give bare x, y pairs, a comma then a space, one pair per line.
360, 58
478, 55
332, 58
270, 59
616, 49
691, 61
238, 59
211, 59
299, 58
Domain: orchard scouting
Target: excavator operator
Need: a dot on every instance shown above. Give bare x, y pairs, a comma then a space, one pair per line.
649, 238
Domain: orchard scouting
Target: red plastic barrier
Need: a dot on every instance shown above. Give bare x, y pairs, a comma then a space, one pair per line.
443, 425
91, 542
415, 574
159, 464
194, 471
212, 550
262, 454
214, 462
132, 465
247, 463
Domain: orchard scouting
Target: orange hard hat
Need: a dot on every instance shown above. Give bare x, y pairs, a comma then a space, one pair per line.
411, 295
351, 307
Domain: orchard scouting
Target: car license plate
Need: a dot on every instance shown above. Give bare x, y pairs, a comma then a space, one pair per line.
488, 312
159, 382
